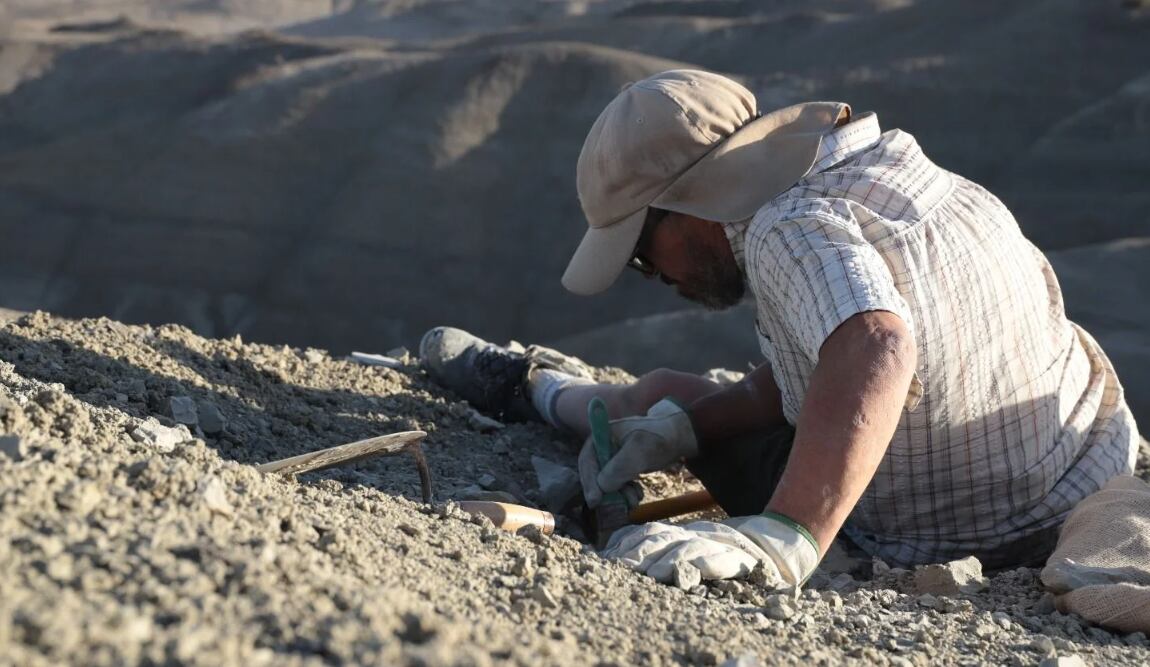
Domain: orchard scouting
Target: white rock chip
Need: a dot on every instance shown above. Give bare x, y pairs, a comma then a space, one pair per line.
215, 496
557, 483
686, 576
161, 438
744, 660
953, 578
369, 359
1063, 661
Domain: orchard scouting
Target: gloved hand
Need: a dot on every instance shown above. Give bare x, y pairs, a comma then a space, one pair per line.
787, 551
646, 444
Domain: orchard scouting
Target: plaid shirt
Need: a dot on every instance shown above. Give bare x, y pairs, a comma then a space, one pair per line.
1014, 414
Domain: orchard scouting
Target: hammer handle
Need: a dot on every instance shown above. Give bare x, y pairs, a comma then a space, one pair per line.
696, 501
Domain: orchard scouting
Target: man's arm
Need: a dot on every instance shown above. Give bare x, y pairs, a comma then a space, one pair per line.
852, 407
751, 404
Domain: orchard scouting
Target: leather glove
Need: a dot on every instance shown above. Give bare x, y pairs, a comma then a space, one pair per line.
646, 444
667, 553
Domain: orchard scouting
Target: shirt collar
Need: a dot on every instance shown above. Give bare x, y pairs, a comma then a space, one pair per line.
843, 142
836, 146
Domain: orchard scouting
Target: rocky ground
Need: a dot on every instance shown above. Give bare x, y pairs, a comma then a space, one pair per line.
130, 538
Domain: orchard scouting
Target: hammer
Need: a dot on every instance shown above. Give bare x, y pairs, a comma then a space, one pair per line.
511, 517
613, 512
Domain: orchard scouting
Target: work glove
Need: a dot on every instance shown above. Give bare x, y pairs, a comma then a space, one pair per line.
709, 550
660, 438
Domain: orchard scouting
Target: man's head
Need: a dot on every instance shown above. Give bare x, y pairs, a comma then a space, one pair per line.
692, 255
694, 144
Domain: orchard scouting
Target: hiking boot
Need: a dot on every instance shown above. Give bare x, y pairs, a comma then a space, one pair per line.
491, 378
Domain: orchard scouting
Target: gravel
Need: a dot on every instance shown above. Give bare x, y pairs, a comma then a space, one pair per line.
127, 539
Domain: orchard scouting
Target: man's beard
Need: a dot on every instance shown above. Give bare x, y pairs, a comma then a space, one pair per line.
716, 282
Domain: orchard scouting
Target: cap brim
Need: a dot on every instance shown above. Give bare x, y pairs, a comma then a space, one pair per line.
754, 165
603, 254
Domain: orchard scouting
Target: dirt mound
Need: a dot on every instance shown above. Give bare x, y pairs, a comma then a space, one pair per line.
304, 192
118, 551
402, 164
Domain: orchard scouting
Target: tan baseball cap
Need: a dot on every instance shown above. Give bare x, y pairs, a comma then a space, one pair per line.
687, 141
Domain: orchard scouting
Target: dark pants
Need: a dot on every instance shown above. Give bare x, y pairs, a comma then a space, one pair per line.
742, 473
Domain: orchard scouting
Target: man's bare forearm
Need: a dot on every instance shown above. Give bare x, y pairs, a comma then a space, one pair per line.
852, 407
752, 404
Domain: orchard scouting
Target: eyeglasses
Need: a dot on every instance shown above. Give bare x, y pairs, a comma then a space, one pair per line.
643, 266
638, 261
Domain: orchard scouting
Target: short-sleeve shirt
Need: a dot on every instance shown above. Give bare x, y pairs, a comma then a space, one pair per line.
1014, 414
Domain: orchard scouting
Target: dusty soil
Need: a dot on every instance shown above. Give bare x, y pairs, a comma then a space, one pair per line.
115, 551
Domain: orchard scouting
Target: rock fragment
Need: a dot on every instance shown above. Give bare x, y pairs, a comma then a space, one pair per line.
953, 578
541, 594
79, 497
214, 496
183, 410
1063, 661
483, 423
558, 484
778, 607
744, 660
12, 447
211, 419
686, 576
1042, 645
159, 437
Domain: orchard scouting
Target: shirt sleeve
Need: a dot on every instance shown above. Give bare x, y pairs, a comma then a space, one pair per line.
818, 270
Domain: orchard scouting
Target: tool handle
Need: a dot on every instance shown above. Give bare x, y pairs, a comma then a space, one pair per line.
510, 517
600, 423
657, 510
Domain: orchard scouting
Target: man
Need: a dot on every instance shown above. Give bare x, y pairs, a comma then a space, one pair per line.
942, 405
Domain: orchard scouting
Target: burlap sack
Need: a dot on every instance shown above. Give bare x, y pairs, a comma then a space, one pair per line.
1100, 569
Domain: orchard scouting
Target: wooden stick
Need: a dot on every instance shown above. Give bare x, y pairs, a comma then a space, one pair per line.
383, 445
696, 501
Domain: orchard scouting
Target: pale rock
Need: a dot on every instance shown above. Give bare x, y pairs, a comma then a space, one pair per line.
832, 600
1042, 645
487, 481
79, 497
953, 578
558, 484
778, 607
159, 437
368, 359
543, 596
1063, 661
744, 660
927, 600
215, 497
483, 423
686, 576
523, 565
